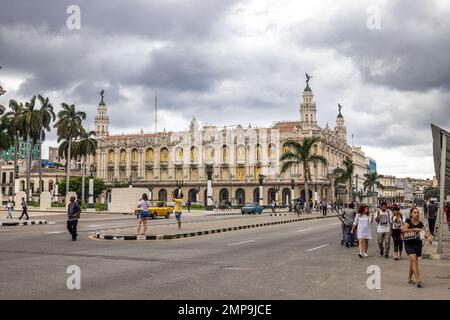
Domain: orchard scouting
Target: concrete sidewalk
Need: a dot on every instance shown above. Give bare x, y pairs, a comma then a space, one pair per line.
191, 229
430, 250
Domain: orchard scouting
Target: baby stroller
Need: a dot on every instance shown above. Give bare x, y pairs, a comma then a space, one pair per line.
348, 239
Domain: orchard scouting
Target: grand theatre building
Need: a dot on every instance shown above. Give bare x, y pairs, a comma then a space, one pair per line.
239, 157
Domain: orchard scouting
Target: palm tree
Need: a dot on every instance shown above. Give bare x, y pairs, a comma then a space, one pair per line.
372, 182
6, 140
69, 127
15, 123
84, 147
31, 124
345, 175
302, 153
48, 116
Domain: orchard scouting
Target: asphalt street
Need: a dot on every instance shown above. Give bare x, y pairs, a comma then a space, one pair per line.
301, 260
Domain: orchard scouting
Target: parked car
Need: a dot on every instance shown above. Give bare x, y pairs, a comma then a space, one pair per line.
159, 209
252, 208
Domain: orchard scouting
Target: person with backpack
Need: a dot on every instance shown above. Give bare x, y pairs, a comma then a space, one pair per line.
24, 210
143, 205
383, 218
432, 214
73, 214
397, 221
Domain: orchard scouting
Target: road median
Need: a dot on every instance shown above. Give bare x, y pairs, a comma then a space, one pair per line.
167, 232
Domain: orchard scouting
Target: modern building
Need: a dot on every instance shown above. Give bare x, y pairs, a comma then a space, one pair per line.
361, 169
372, 165
238, 156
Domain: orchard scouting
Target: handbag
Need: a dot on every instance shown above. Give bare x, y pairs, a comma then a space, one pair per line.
410, 235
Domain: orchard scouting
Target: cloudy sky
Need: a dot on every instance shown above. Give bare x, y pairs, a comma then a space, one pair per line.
229, 62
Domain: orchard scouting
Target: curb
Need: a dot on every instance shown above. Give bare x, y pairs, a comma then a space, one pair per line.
101, 236
278, 214
223, 214
24, 223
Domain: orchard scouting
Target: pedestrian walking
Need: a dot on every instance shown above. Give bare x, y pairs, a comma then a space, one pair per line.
24, 209
383, 219
397, 221
447, 212
413, 234
9, 209
73, 214
273, 204
188, 205
324, 208
178, 208
143, 205
362, 224
432, 214
349, 218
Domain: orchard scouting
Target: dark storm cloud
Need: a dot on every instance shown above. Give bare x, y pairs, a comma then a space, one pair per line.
409, 52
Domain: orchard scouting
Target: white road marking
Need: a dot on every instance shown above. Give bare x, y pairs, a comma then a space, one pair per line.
242, 242
317, 247
336, 223
307, 229
55, 232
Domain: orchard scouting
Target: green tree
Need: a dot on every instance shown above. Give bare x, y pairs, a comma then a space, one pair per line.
431, 192
301, 153
345, 175
15, 122
31, 124
75, 186
372, 181
84, 147
6, 139
48, 116
69, 126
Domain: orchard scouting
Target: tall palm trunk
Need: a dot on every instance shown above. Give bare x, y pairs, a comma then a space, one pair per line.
28, 167
16, 169
1, 160
350, 190
68, 167
83, 179
305, 171
40, 165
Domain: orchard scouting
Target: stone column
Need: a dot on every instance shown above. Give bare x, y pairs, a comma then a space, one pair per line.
209, 190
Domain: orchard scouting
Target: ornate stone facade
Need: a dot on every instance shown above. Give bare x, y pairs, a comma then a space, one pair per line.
238, 155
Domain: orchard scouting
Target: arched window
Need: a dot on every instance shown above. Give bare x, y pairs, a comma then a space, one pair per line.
134, 156
286, 149
164, 154
149, 155
271, 151
224, 153
111, 156
241, 173
258, 152
240, 196
194, 154
123, 156
241, 153
306, 118
162, 195
179, 154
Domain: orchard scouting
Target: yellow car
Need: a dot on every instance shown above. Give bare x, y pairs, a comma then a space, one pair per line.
158, 209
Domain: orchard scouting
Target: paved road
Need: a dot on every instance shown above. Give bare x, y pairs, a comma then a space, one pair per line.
301, 260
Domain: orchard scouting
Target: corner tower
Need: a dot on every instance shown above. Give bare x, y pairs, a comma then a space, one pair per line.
308, 107
102, 119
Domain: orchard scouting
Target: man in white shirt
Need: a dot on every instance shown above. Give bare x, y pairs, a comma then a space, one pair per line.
383, 218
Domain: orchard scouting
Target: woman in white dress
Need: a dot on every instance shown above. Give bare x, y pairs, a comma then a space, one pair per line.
364, 233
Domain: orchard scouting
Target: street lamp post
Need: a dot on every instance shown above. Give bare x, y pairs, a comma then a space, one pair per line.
292, 191
91, 188
261, 189
276, 189
150, 189
115, 182
209, 190
179, 185
130, 182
